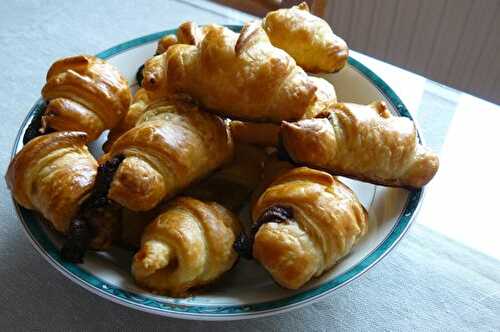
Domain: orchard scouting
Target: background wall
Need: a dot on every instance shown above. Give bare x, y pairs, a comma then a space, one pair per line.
455, 42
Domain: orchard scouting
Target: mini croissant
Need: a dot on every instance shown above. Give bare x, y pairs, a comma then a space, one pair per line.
307, 38
188, 245
172, 145
236, 75
53, 174
305, 221
86, 94
363, 142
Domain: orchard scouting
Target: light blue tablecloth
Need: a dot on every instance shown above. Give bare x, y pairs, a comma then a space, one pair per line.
427, 283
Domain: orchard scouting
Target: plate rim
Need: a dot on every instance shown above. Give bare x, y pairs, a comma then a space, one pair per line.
101, 288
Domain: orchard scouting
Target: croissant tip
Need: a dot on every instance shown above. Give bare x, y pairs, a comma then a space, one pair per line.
303, 6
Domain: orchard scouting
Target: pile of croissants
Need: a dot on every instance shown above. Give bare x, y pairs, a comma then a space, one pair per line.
220, 120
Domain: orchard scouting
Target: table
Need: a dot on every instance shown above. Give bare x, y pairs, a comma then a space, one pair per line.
445, 275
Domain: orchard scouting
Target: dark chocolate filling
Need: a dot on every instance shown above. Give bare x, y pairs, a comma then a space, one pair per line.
140, 75
35, 125
83, 228
77, 241
277, 213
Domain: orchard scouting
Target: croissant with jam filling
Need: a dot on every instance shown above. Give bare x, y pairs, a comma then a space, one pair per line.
84, 93
188, 245
304, 222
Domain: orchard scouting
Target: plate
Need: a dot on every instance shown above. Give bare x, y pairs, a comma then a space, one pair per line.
247, 291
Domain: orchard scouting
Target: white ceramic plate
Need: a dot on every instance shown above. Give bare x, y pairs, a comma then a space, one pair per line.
247, 291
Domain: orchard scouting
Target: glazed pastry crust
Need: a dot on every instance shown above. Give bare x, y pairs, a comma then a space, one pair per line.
267, 134
188, 245
84, 93
363, 142
172, 145
142, 100
325, 97
52, 174
327, 221
261, 134
188, 33
165, 42
232, 185
307, 38
241, 76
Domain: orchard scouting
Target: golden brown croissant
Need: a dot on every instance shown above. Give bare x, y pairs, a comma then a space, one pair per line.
240, 76
189, 245
363, 142
172, 145
233, 184
307, 38
86, 94
305, 222
53, 174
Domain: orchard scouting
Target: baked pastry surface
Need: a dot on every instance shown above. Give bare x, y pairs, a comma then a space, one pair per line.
306, 221
172, 145
241, 76
84, 93
189, 245
307, 38
53, 174
365, 142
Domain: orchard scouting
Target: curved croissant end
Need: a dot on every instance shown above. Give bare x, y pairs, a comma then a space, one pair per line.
164, 43
188, 245
53, 174
365, 142
292, 28
86, 94
306, 221
172, 145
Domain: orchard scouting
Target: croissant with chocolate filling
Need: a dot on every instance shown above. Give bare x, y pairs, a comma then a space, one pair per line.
86, 94
172, 145
305, 221
307, 38
188, 245
363, 142
53, 174
236, 75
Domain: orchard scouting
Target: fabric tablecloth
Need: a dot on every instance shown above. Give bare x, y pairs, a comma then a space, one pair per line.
426, 283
